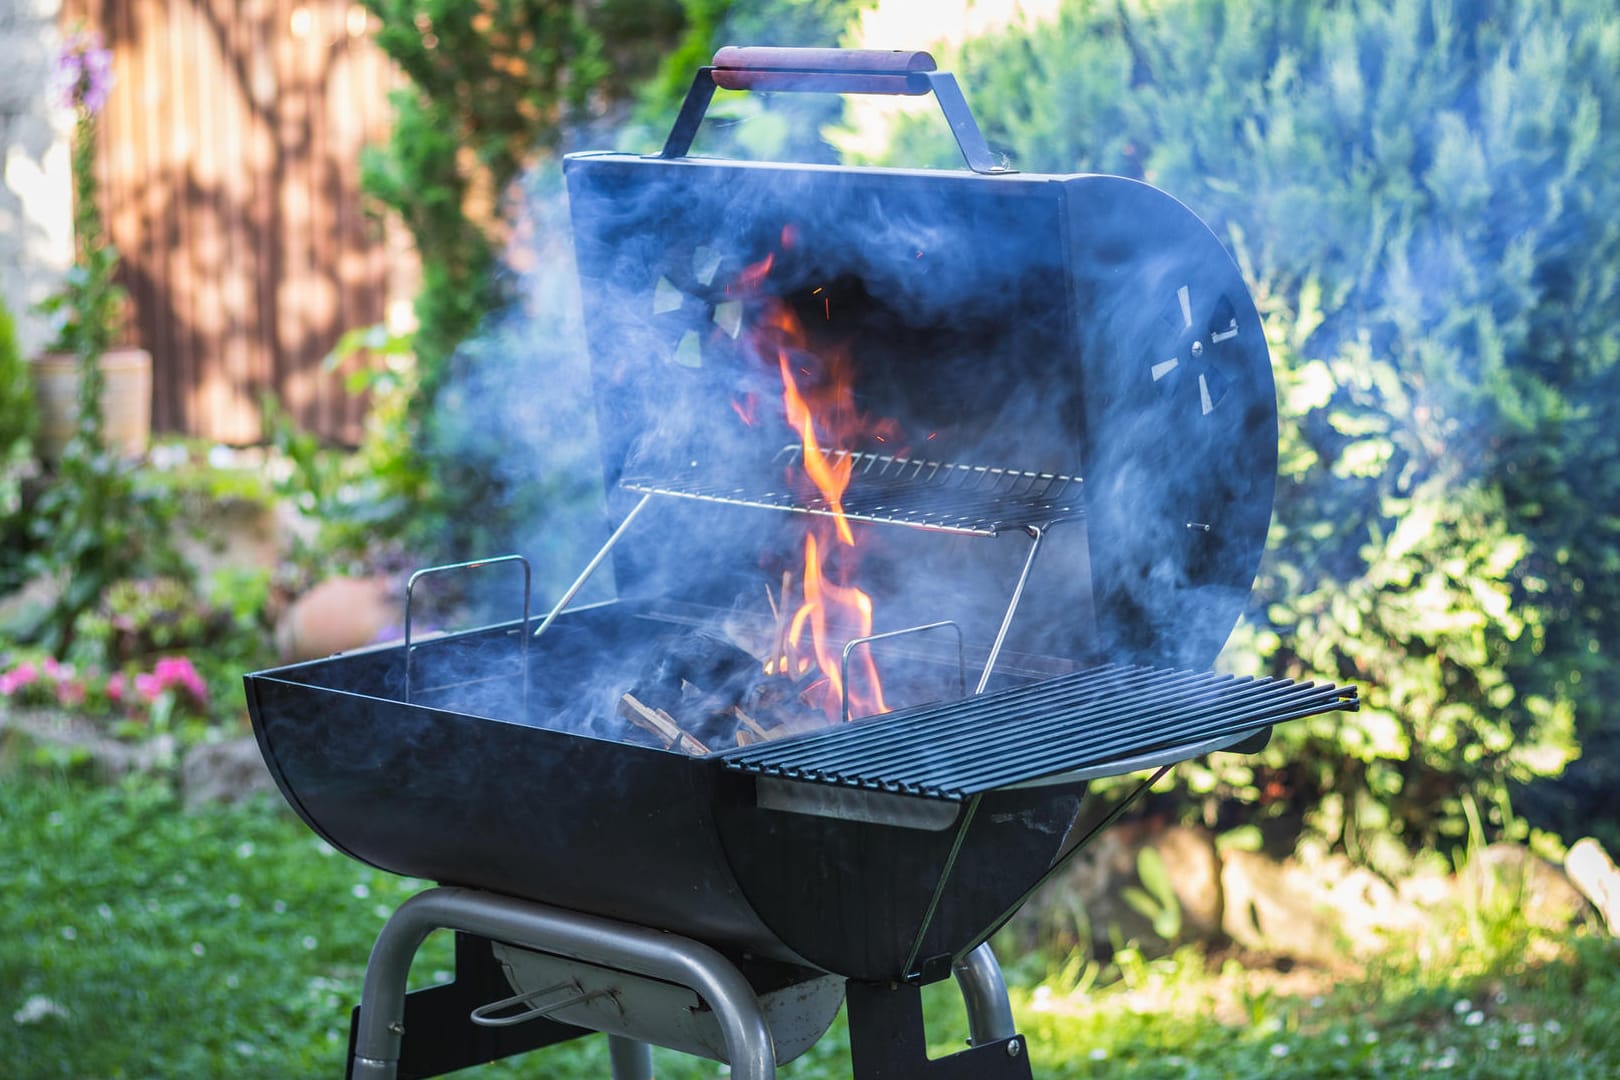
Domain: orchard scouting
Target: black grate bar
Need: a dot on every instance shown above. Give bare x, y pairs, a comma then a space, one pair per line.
1096, 749
1002, 731
1038, 730
922, 727
885, 489
952, 776
970, 757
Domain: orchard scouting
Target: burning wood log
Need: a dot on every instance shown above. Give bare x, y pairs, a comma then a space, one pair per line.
660, 724
721, 687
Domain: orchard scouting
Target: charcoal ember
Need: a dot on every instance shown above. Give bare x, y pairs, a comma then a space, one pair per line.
699, 678
716, 693
778, 701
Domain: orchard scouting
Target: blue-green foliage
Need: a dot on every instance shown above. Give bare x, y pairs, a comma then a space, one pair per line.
1422, 194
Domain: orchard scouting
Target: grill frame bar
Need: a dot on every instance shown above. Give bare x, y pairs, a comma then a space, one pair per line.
887, 489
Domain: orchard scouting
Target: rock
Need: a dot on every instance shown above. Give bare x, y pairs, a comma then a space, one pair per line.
1539, 889
1321, 910
80, 741
1194, 865
22, 611
337, 615
1590, 870
224, 772
1087, 899
233, 534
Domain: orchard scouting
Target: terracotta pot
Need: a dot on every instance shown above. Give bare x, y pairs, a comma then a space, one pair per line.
337, 615
126, 402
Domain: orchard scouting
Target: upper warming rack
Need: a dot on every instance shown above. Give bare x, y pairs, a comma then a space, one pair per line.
884, 489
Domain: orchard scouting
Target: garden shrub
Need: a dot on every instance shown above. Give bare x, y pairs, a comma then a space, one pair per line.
1422, 195
497, 91
495, 88
17, 425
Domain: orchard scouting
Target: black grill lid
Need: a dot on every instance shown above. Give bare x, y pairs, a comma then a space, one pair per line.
1091, 720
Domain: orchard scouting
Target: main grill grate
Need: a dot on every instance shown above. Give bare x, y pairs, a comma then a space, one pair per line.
1058, 726
884, 489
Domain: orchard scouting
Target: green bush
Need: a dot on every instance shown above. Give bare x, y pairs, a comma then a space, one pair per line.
1422, 194
17, 424
496, 92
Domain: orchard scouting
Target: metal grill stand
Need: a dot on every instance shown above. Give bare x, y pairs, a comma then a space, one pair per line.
379, 1026
452, 1025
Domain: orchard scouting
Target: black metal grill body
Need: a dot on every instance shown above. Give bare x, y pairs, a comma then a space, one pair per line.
462, 786
872, 850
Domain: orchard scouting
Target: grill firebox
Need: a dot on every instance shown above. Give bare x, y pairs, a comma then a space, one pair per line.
1062, 501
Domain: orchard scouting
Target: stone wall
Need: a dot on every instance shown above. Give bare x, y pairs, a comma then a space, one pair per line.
36, 210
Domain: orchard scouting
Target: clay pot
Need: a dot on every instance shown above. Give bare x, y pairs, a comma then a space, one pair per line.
337, 615
126, 401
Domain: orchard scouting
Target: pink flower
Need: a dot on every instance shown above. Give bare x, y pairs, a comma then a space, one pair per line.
178, 671
70, 693
115, 687
22, 675
148, 686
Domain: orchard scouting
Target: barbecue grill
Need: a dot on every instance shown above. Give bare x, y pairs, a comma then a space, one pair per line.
1060, 485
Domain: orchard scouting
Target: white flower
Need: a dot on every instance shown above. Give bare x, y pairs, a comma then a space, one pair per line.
1552, 1027
1099, 1053
360, 891
1279, 1050
1462, 1006
37, 1008
1475, 1018
309, 941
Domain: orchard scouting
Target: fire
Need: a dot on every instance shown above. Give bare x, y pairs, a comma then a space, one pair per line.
818, 402
830, 479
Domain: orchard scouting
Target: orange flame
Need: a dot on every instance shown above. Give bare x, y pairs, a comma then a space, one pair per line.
824, 599
830, 479
818, 398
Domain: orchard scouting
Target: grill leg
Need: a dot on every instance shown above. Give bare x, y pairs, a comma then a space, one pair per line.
631, 1060
380, 1029
984, 992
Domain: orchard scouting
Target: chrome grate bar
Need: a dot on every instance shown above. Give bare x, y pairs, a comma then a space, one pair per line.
884, 489
1038, 730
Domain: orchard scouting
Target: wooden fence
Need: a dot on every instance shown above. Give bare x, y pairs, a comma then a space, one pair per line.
230, 179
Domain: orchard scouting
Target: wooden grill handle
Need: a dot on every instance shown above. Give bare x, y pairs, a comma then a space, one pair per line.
847, 71
839, 71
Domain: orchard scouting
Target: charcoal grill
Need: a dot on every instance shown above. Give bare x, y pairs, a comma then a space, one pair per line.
1067, 501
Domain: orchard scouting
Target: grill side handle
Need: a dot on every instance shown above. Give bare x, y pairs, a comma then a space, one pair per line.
834, 71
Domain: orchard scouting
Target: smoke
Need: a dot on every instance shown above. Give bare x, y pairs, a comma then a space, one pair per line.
1082, 327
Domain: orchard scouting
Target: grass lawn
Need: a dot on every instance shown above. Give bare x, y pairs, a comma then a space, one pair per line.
137, 940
